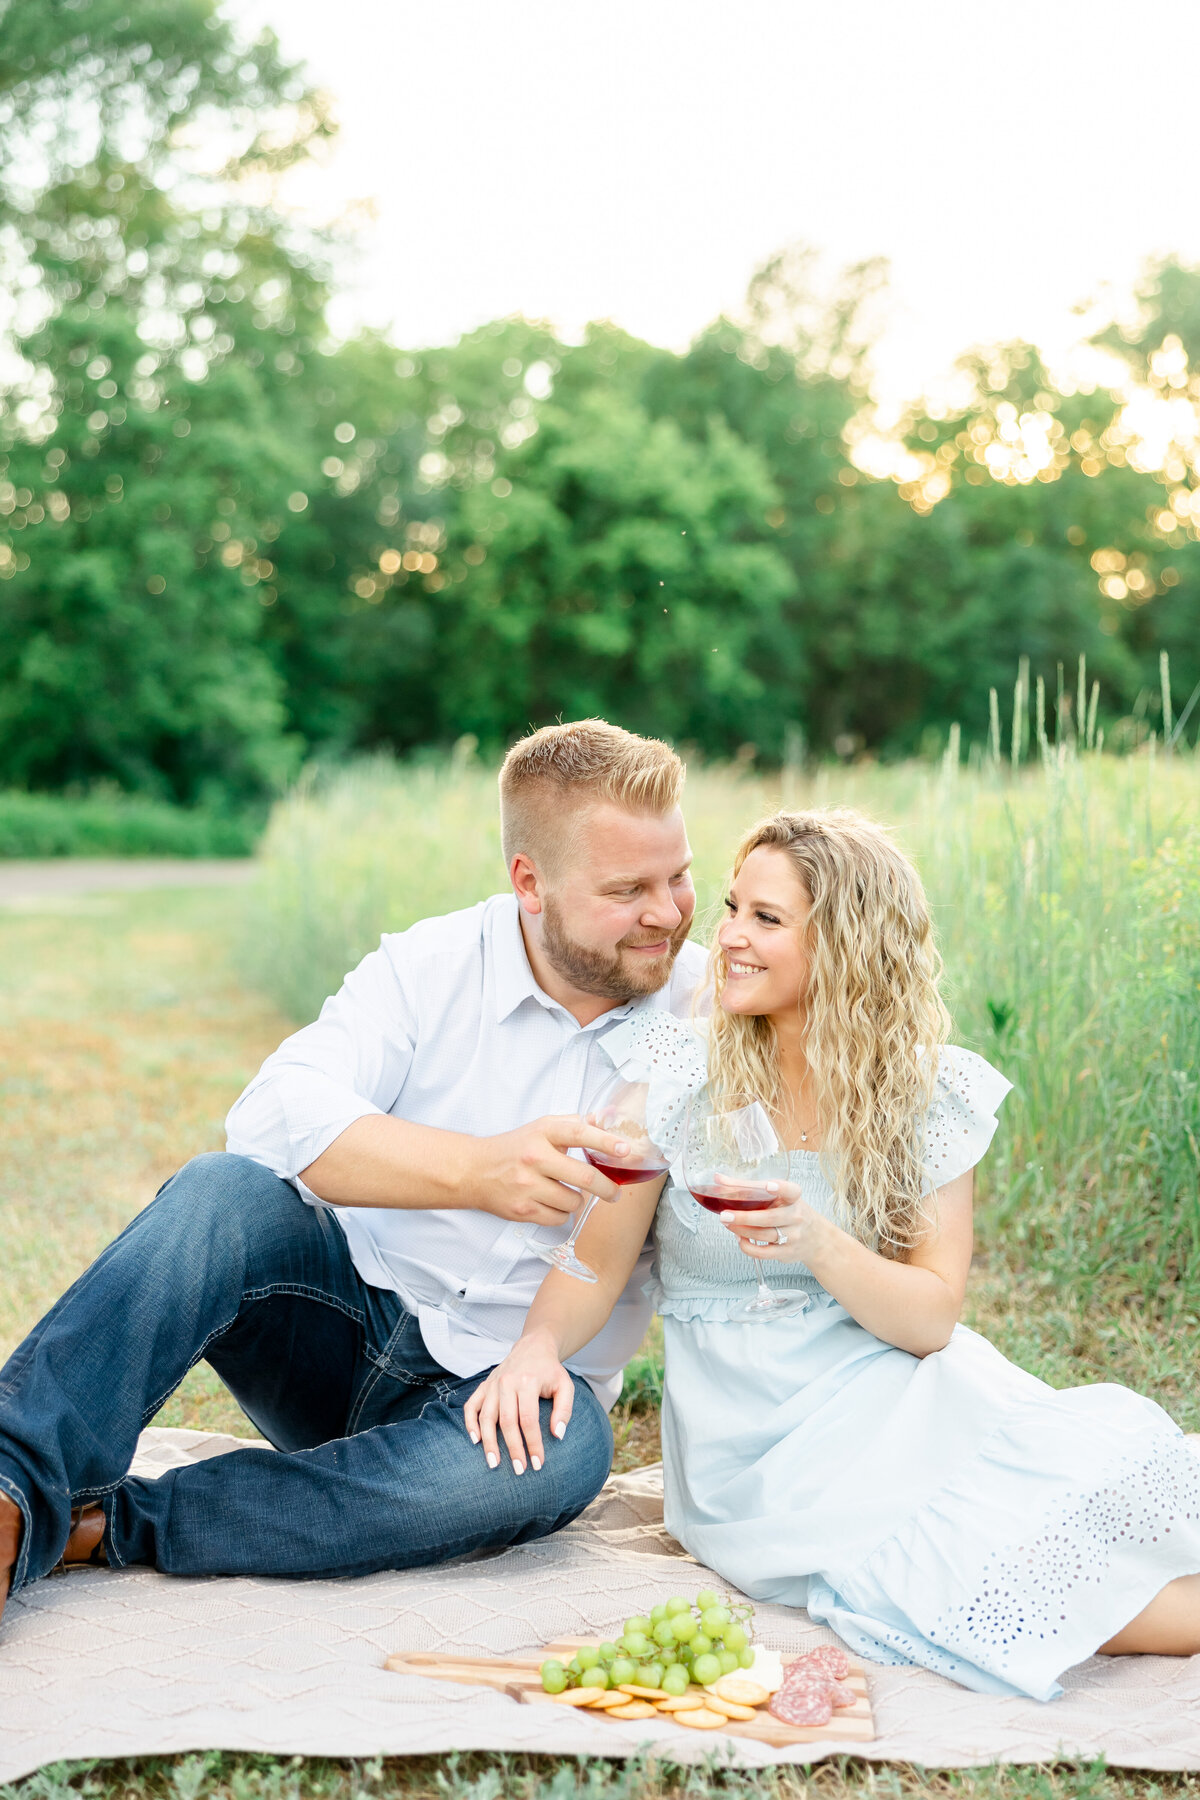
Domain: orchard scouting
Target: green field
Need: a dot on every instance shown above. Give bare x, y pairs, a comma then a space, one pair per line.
1068, 903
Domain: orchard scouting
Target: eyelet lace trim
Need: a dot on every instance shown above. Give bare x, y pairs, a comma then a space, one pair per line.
1029, 1590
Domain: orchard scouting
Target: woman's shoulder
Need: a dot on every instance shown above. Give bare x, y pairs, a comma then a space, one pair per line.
961, 1121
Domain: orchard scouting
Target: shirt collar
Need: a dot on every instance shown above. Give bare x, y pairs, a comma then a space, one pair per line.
514, 979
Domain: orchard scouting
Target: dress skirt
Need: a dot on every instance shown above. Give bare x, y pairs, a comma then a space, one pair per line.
950, 1511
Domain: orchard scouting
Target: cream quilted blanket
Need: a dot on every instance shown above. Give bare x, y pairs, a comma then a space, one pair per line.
98, 1664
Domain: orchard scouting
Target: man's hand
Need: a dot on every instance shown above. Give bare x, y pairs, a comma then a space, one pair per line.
530, 1373
527, 1175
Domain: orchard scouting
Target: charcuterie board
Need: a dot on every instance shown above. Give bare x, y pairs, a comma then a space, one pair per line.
518, 1677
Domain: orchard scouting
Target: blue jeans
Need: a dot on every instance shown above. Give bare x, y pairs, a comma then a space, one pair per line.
372, 1466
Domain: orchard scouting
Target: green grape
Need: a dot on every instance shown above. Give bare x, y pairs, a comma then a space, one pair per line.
685, 1627
636, 1626
636, 1644
702, 1645
658, 1613
707, 1598
607, 1652
651, 1674
676, 1680
746, 1658
596, 1676
706, 1670
664, 1633
623, 1669
734, 1637
587, 1656
554, 1677
575, 1665
683, 1654
714, 1619
728, 1660
677, 1604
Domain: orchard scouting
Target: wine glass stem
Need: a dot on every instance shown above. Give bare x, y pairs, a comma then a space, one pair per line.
569, 1243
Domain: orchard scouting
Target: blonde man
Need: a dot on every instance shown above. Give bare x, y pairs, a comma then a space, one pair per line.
359, 1257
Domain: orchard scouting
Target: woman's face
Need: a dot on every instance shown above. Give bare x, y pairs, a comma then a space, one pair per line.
762, 938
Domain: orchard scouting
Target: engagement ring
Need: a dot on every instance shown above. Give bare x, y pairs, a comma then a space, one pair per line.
780, 1235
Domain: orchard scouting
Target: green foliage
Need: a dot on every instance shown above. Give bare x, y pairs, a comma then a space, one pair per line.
117, 824
229, 543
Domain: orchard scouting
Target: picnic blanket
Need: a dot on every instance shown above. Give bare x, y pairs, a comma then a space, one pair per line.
104, 1663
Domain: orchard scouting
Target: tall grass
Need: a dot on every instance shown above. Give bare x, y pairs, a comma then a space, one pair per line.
1067, 897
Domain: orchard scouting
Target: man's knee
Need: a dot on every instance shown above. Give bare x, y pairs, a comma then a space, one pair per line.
220, 1200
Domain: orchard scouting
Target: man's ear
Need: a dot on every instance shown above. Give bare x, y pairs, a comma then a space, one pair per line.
528, 885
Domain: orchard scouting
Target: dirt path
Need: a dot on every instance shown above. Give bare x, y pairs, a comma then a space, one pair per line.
42, 877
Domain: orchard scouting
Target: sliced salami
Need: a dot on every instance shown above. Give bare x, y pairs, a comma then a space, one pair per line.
802, 1705
829, 1659
842, 1694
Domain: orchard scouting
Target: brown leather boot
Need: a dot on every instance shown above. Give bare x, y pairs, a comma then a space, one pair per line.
86, 1542
10, 1543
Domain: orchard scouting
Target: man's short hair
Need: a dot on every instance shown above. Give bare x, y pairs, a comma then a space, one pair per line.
553, 773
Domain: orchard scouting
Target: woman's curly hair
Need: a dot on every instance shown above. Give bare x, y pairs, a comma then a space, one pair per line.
873, 1017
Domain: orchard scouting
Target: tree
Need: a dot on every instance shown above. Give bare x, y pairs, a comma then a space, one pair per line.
151, 443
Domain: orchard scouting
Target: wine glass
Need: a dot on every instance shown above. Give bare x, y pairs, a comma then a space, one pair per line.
620, 1108
730, 1151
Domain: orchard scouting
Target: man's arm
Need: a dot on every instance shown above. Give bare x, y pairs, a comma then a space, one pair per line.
523, 1174
319, 1112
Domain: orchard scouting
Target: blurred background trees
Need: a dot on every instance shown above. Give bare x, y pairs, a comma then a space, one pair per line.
228, 542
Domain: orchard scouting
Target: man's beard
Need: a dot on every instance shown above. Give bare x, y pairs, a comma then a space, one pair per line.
609, 977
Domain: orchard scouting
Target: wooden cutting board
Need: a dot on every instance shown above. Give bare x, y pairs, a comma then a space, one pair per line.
519, 1678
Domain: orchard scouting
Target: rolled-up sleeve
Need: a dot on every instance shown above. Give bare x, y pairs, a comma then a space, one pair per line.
351, 1063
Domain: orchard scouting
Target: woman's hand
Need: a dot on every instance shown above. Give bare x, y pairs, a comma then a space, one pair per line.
530, 1373
783, 1231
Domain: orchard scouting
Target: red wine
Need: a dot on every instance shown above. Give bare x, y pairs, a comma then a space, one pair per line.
622, 1173
719, 1203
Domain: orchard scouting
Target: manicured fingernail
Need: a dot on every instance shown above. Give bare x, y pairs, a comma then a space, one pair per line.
518, 1468
772, 1187
535, 1463
726, 1217
474, 1436
621, 1148
493, 1460
560, 1430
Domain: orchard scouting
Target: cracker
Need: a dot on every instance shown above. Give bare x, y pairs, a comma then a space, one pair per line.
581, 1696
633, 1709
700, 1719
716, 1703
682, 1702
641, 1693
740, 1691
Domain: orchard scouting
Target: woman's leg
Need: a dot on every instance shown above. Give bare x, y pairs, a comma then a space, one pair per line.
1169, 1626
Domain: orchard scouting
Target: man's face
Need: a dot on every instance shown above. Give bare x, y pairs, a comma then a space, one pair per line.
616, 913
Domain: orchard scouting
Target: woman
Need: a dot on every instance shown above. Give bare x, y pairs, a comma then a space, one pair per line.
870, 1459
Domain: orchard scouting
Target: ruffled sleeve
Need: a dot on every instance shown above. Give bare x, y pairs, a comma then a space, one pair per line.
961, 1121
659, 1049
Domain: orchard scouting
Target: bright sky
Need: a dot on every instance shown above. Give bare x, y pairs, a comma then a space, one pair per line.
636, 159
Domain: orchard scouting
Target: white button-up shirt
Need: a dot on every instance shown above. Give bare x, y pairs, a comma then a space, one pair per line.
444, 1025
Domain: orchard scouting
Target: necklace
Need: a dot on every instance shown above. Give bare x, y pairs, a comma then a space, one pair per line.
804, 1137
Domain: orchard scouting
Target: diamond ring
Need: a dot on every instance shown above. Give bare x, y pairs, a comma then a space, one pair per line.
780, 1235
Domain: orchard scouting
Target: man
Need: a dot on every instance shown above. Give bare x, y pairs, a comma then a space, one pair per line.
360, 1257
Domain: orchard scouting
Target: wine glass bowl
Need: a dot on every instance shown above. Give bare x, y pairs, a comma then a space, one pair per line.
620, 1109
730, 1152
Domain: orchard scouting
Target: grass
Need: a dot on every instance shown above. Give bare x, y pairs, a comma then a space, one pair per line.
482, 1776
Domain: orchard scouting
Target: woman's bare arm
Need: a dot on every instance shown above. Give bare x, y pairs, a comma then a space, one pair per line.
565, 1315
913, 1304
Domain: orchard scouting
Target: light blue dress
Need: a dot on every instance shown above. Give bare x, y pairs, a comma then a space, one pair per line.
950, 1511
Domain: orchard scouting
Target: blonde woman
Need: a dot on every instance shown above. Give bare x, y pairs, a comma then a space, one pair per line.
869, 1458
